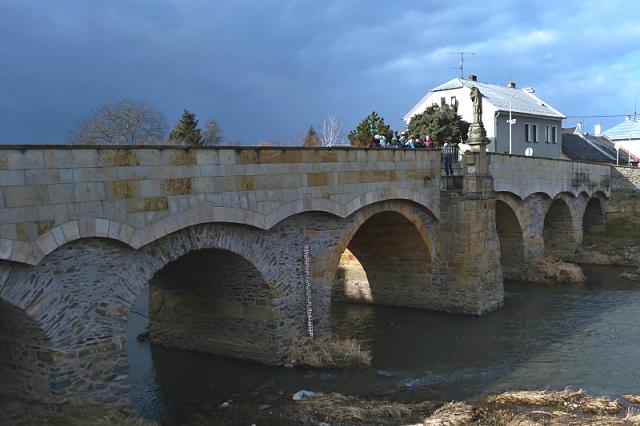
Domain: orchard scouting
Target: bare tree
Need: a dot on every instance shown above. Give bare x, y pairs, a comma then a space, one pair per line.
212, 134
331, 131
124, 123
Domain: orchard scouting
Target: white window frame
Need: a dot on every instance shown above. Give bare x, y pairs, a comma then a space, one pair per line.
527, 133
454, 101
547, 134
534, 131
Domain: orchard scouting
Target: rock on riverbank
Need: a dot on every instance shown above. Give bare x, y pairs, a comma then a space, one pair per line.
547, 270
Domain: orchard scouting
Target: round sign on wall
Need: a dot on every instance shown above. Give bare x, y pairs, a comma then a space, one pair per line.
528, 152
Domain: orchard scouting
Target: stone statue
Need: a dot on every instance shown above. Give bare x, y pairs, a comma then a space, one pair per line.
477, 135
476, 98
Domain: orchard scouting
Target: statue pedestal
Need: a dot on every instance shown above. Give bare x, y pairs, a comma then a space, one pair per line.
477, 162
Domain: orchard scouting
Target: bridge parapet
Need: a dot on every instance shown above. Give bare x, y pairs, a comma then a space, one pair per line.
51, 195
524, 176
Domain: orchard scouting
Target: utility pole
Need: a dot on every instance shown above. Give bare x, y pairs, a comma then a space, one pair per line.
461, 67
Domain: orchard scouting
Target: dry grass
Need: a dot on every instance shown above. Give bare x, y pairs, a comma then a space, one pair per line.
594, 257
452, 414
335, 407
340, 354
628, 276
546, 270
634, 399
572, 400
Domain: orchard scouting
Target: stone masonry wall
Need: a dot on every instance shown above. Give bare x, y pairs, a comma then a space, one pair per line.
53, 195
24, 359
624, 203
524, 176
396, 261
213, 301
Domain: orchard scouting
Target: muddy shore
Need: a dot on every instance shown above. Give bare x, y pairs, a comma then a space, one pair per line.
568, 407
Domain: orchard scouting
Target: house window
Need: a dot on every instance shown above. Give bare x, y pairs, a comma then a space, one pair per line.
454, 101
534, 130
547, 136
554, 136
443, 102
527, 132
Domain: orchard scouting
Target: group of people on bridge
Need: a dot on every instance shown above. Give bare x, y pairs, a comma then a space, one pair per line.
403, 140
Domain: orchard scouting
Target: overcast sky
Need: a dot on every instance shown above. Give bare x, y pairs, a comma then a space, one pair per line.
268, 70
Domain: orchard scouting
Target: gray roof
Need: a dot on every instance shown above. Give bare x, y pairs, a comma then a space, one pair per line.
587, 147
498, 96
628, 129
576, 148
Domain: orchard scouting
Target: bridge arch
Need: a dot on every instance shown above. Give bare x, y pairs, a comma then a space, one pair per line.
26, 358
386, 256
559, 233
593, 219
510, 235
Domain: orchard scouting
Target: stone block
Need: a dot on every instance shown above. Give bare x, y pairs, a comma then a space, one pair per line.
270, 156
28, 159
151, 157
12, 177
121, 189
71, 230
6, 246
63, 193
119, 157
84, 158
4, 161
227, 156
207, 156
41, 176
179, 186
101, 227
20, 196
292, 156
247, 156
89, 191
65, 175
94, 174
183, 157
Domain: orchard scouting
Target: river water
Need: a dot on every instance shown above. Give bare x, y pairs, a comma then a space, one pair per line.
546, 336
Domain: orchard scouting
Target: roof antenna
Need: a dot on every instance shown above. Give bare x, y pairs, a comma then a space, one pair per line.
635, 109
461, 67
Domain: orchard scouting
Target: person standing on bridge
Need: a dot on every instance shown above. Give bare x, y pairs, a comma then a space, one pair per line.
447, 154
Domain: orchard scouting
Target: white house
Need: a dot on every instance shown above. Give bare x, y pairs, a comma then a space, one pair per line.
626, 135
536, 124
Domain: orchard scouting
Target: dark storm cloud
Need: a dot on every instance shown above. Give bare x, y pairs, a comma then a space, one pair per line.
269, 69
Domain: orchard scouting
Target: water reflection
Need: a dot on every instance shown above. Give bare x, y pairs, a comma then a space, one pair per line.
544, 337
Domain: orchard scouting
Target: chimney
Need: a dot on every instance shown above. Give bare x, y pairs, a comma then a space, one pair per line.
511, 85
473, 77
597, 129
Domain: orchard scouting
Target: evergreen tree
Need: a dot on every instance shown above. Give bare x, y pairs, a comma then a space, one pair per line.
186, 130
442, 124
372, 125
311, 138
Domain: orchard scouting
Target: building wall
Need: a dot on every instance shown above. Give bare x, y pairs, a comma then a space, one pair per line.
498, 129
519, 145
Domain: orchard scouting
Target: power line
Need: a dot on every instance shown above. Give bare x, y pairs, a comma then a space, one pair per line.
599, 116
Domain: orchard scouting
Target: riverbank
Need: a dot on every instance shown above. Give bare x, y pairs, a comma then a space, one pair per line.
22, 412
530, 408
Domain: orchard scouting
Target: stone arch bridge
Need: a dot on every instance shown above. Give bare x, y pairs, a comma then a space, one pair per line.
217, 237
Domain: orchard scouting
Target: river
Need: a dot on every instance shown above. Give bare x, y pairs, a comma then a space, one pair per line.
546, 336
